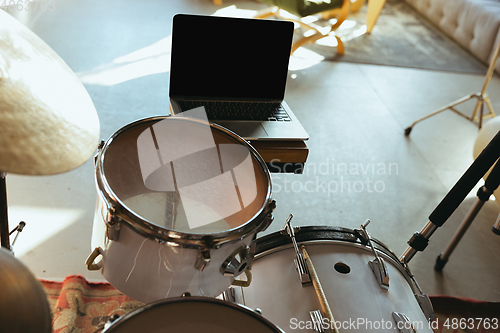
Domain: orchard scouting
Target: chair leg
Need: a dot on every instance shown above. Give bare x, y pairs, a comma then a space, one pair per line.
344, 11
317, 36
373, 12
355, 7
340, 46
304, 40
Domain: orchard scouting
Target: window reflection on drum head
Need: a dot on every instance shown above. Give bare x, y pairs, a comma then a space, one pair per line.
184, 175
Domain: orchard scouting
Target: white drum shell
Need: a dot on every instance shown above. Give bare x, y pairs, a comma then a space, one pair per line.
355, 297
141, 256
147, 270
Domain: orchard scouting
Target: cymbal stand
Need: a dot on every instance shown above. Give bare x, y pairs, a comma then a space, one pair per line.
4, 218
483, 194
19, 228
481, 97
4, 221
485, 160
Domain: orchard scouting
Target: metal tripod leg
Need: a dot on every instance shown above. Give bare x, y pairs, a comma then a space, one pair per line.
482, 97
444, 108
496, 226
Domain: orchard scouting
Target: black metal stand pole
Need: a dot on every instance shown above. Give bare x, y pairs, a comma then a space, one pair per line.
483, 194
4, 221
485, 160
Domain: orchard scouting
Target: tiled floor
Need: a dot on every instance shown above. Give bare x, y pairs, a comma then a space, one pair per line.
355, 114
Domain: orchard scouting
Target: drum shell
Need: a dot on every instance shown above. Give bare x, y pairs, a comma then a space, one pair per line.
148, 270
148, 262
355, 296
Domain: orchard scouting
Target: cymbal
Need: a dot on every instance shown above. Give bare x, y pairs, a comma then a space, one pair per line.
48, 123
23, 304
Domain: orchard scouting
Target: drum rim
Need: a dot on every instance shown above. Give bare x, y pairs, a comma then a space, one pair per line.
120, 212
285, 242
201, 299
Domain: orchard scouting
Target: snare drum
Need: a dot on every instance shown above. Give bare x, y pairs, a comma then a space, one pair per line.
179, 204
192, 315
357, 301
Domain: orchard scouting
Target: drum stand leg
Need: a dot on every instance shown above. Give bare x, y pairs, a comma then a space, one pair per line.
483, 195
482, 98
442, 259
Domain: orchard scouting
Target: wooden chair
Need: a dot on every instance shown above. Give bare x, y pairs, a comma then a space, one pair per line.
302, 8
373, 11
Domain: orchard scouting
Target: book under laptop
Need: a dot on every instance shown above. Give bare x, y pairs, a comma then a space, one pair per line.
237, 69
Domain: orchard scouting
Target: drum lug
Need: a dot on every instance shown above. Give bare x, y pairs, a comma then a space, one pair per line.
422, 299
269, 218
113, 231
229, 295
426, 306
111, 221
380, 270
112, 225
99, 148
317, 319
300, 263
202, 260
377, 265
403, 323
238, 261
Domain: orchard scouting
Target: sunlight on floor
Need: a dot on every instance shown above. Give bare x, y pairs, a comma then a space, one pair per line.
304, 58
349, 30
155, 58
233, 11
41, 224
152, 59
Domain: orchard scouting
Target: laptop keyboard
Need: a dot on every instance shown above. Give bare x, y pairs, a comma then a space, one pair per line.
239, 110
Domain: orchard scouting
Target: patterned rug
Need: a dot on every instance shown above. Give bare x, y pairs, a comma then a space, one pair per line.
79, 306
401, 37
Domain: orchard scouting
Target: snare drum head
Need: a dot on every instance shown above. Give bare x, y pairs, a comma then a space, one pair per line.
185, 175
192, 314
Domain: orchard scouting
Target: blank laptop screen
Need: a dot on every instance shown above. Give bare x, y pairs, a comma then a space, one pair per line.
229, 58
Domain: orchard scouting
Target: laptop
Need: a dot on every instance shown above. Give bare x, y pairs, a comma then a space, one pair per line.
237, 69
